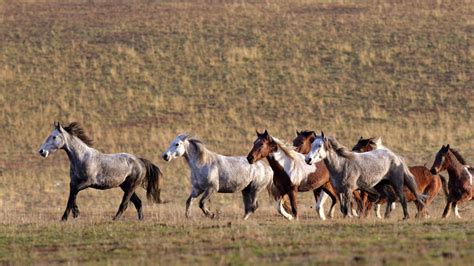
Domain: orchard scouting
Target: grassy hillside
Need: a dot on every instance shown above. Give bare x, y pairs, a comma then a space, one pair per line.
137, 73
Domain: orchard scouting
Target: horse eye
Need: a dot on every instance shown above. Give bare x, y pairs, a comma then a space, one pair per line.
54, 137
177, 144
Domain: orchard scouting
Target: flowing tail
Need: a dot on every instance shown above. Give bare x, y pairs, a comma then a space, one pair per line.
152, 182
276, 194
409, 180
444, 181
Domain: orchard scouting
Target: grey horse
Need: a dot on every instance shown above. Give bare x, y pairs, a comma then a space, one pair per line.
362, 170
92, 169
212, 172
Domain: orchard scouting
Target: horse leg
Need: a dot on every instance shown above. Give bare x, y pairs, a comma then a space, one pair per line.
403, 201
249, 195
447, 209
455, 207
333, 195
294, 202
377, 210
127, 195
346, 199
320, 196
194, 194
281, 208
138, 205
202, 202
71, 202
136, 202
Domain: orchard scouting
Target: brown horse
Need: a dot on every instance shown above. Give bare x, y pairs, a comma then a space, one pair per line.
264, 147
460, 179
427, 183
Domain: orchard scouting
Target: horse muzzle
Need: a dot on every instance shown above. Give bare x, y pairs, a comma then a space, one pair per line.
308, 160
43, 153
250, 159
166, 157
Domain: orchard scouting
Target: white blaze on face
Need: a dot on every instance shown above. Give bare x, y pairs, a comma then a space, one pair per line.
317, 152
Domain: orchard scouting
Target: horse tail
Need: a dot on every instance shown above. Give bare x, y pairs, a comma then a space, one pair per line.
276, 194
444, 183
409, 180
152, 182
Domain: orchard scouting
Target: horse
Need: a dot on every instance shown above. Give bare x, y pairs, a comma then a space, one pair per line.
350, 171
302, 144
427, 183
212, 172
90, 168
293, 174
460, 178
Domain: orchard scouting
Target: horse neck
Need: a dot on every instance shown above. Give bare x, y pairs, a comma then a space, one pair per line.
191, 155
333, 161
76, 149
455, 167
281, 157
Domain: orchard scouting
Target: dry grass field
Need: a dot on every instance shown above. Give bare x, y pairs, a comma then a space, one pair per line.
137, 73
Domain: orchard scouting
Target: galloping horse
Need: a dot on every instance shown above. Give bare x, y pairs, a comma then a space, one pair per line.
427, 183
91, 168
212, 172
350, 171
302, 143
460, 181
295, 174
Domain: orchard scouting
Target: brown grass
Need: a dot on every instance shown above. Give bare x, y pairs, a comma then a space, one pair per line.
131, 71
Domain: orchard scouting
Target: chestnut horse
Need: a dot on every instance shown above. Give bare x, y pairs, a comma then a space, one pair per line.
427, 183
460, 179
291, 174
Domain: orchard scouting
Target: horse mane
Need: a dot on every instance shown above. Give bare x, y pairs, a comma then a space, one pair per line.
289, 151
458, 156
205, 156
340, 149
76, 130
307, 133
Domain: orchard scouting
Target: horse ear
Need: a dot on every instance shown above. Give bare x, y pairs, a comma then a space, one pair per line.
361, 138
297, 133
322, 134
447, 147
57, 125
314, 134
258, 134
265, 133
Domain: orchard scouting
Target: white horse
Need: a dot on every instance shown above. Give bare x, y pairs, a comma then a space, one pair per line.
363, 170
93, 169
212, 172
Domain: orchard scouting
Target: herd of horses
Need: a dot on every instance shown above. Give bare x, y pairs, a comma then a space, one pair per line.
369, 174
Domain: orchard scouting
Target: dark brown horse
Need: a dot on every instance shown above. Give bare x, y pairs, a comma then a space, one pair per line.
427, 183
460, 179
264, 146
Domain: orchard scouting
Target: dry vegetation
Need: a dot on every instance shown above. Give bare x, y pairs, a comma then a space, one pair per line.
136, 73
